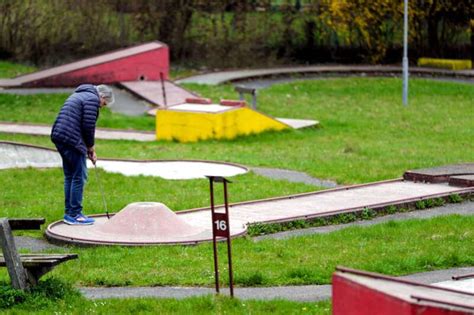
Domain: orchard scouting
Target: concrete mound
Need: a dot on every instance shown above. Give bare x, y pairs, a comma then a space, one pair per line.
152, 219
140, 223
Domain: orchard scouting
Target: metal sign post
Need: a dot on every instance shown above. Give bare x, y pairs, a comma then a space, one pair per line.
405, 55
163, 90
221, 228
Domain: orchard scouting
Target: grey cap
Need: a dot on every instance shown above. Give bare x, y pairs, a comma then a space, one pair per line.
106, 93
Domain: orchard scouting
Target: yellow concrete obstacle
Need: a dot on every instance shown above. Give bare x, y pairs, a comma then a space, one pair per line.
194, 122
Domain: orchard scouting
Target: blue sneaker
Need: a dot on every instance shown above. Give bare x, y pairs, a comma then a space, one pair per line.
79, 219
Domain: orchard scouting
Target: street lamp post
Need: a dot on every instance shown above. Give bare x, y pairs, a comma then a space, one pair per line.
405, 55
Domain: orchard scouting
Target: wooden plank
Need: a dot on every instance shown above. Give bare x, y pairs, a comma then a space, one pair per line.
48, 255
43, 263
39, 263
26, 224
31, 258
12, 259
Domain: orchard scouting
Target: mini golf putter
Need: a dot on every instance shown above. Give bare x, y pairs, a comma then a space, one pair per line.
101, 188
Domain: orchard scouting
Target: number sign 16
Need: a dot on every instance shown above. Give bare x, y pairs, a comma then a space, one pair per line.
220, 226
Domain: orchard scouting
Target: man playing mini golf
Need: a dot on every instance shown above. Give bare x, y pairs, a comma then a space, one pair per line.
73, 134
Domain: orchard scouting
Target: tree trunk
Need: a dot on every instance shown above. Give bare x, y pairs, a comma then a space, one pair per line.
472, 42
433, 23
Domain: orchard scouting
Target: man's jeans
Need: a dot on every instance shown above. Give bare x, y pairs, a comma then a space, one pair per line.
75, 176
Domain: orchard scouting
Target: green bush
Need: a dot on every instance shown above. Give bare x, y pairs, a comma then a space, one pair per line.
439, 202
455, 198
391, 209
45, 294
345, 218
10, 297
53, 289
297, 224
368, 214
429, 203
255, 229
420, 205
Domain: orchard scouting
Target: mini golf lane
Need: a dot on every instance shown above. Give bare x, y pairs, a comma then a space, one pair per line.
303, 206
141, 223
18, 155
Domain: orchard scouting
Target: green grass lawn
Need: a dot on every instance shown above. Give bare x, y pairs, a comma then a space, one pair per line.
10, 70
196, 305
366, 135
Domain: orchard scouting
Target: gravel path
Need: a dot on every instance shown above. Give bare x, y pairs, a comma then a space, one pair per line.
215, 78
293, 293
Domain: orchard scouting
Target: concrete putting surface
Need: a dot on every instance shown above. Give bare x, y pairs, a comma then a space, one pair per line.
465, 285
17, 155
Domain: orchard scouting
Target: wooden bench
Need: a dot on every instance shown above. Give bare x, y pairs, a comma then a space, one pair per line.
25, 269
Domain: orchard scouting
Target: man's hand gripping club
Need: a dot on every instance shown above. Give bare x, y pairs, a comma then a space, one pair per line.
92, 155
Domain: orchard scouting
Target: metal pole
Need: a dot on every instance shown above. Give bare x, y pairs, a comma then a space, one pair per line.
229, 254
405, 54
101, 189
214, 240
163, 89
254, 99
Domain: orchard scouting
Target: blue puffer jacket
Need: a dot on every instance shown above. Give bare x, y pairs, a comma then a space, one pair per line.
75, 124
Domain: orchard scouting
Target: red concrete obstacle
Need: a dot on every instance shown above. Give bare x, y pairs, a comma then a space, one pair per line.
236, 103
198, 100
357, 292
141, 62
